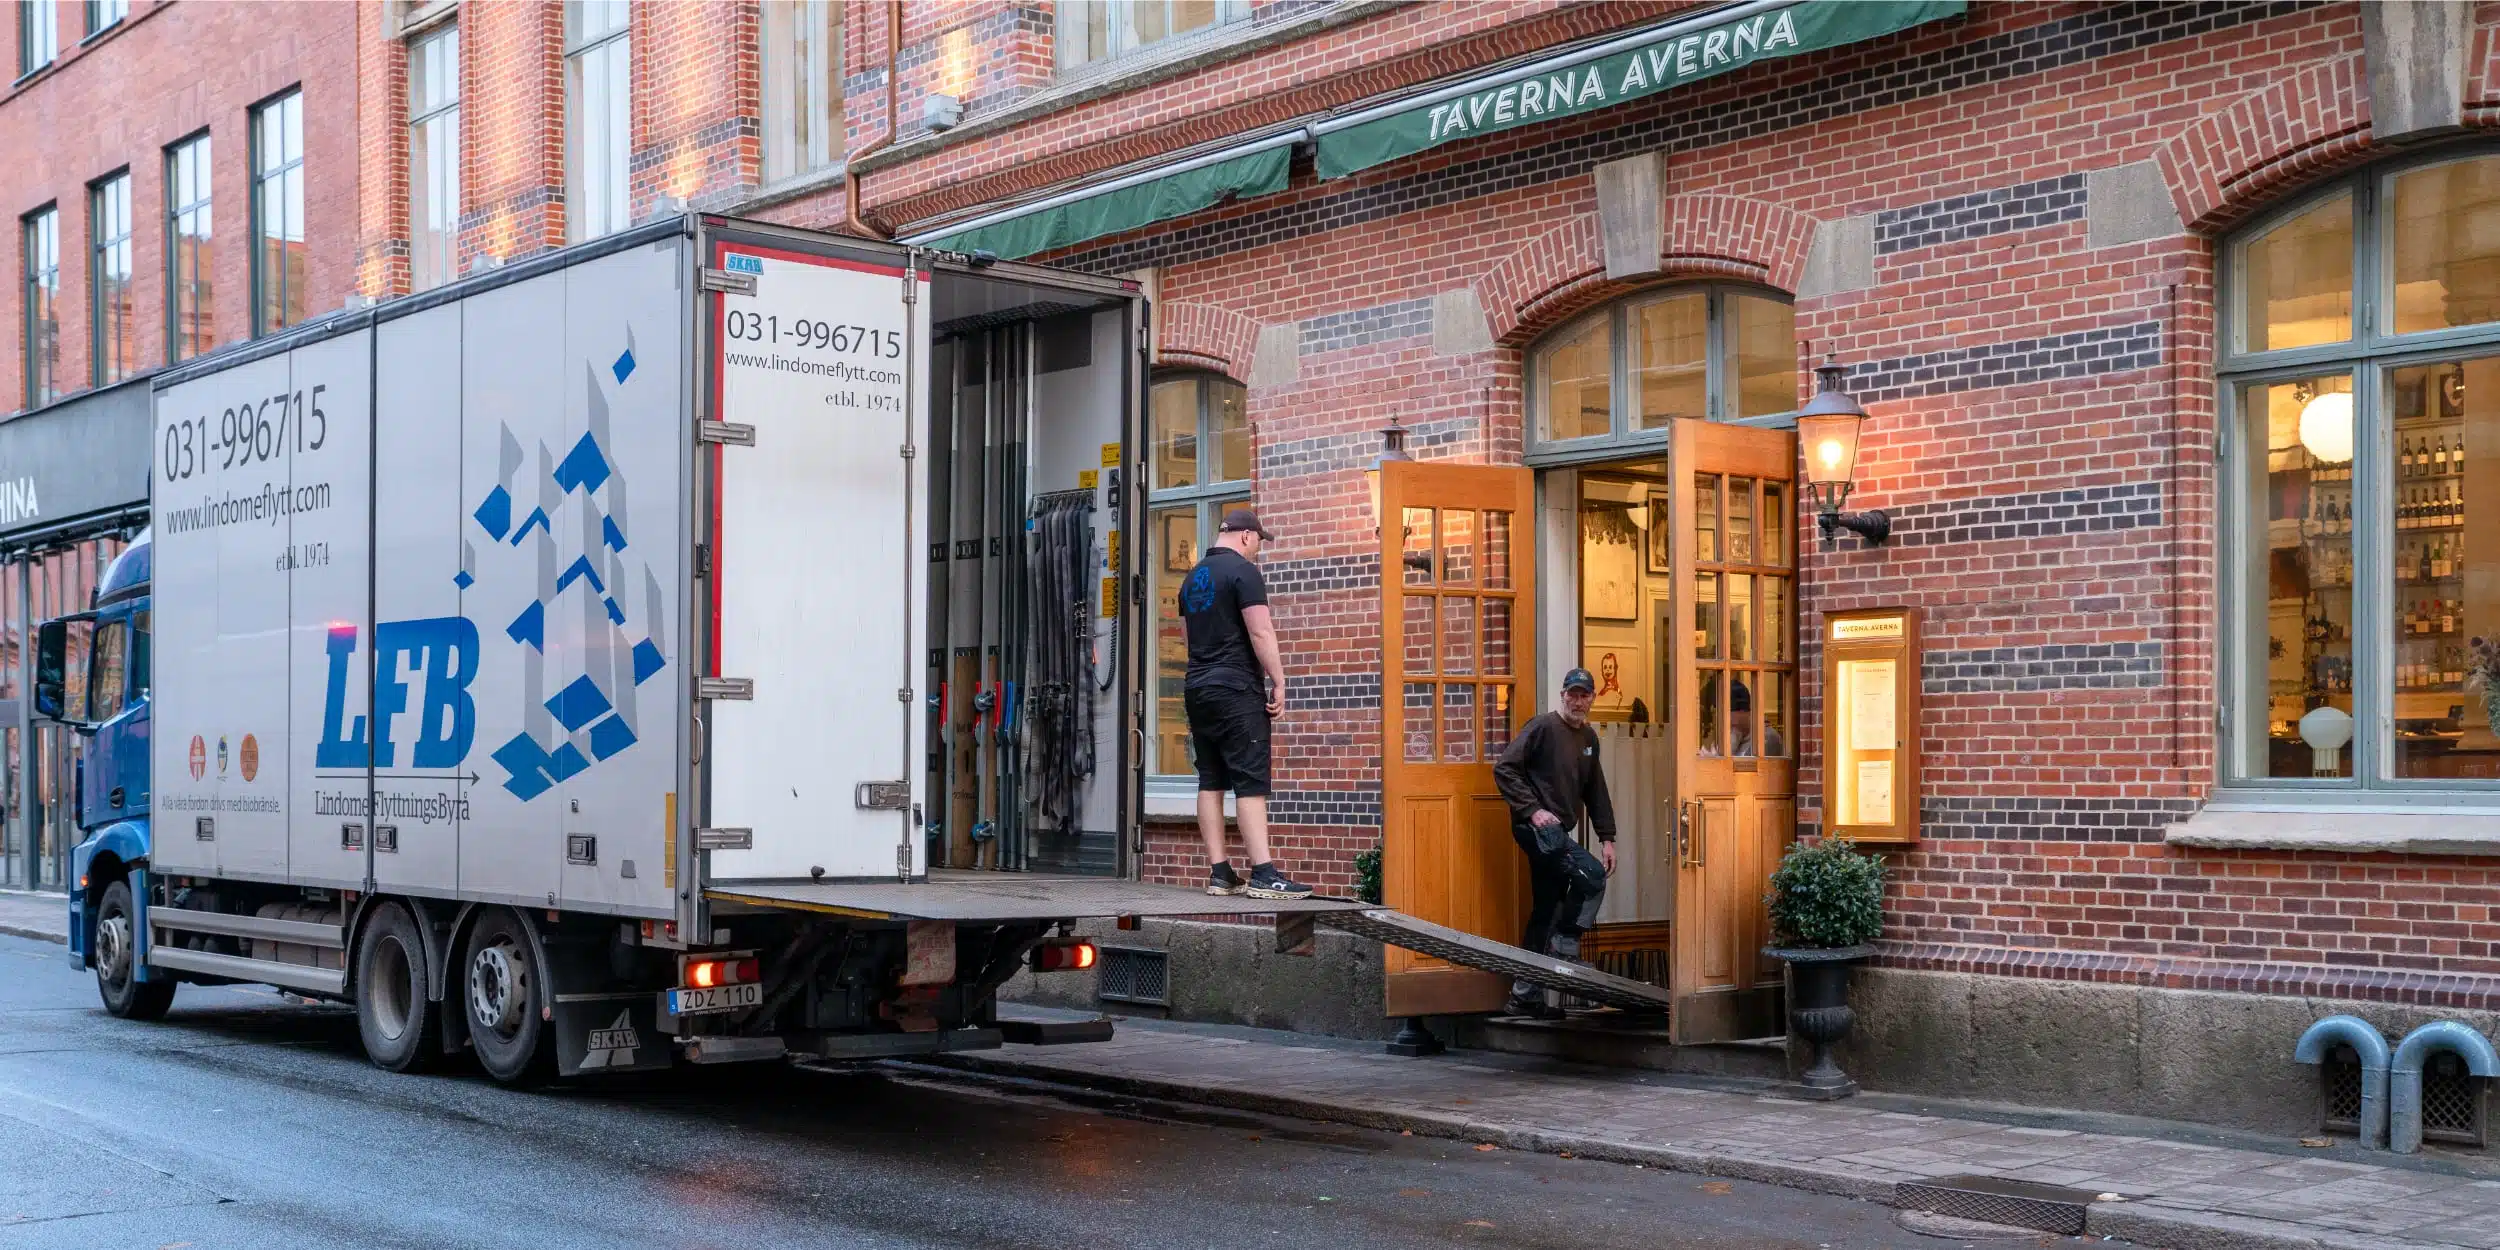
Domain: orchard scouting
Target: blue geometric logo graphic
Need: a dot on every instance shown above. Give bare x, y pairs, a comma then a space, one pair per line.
582, 572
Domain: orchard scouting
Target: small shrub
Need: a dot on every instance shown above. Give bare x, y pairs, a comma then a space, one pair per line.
1367, 876
1827, 895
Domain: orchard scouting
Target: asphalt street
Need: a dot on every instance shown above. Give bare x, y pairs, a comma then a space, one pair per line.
248, 1120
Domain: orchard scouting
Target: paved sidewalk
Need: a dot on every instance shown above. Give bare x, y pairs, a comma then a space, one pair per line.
2177, 1191
42, 916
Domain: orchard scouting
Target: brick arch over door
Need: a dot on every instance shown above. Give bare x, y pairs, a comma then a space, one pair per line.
1205, 336
1562, 272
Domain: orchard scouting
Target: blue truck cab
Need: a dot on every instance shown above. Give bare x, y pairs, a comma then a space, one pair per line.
91, 674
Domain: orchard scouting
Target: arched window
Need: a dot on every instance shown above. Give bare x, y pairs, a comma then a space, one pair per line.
1199, 464
1618, 376
2360, 388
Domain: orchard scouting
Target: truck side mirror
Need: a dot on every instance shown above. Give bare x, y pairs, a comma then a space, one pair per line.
51, 647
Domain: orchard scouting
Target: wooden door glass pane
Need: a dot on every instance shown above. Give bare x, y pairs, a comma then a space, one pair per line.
1740, 616
1458, 635
1496, 637
1417, 631
1458, 547
1175, 535
1176, 433
1496, 721
1417, 723
1418, 556
1706, 616
1740, 520
1706, 517
1775, 626
1458, 723
1497, 551
1742, 685
1710, 718
1775, 525
1770, 715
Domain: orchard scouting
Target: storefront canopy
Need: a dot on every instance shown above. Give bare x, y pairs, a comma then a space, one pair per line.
1124, 203
77, 467
1645, 63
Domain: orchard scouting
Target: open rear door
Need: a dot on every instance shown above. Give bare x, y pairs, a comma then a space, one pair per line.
817, 566
1734, 660
1457, 633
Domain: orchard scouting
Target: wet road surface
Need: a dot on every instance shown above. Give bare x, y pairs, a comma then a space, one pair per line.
247, 1120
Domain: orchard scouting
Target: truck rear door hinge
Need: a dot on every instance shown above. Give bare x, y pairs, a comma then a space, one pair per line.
724, 839
728, 432
702, 560
883, 796
723, 282
738, 688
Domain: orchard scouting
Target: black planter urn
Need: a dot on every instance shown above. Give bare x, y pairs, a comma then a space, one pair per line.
1818, 1011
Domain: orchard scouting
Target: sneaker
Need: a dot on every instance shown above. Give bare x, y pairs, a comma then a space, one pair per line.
1266, 882
1222, 881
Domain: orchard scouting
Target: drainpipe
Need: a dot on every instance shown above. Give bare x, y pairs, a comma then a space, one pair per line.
2366, 1042
850, 178
2404, 1122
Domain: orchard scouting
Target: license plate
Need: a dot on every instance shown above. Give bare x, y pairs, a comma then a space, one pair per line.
717, 998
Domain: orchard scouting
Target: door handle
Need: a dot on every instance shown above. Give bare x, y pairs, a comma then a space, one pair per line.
116, 796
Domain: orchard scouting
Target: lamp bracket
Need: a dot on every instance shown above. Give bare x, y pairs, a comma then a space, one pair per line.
1874, 525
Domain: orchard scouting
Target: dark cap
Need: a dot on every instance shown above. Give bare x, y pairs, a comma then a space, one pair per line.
1580, 679
1244, 521
1739, 699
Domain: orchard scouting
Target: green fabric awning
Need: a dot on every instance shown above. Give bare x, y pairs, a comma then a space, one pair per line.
1122, 208
1680, 53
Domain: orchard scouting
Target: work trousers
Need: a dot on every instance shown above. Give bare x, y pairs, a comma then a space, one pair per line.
1566, 886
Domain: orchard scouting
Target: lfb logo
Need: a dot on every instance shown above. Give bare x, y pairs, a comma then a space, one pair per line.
442, 651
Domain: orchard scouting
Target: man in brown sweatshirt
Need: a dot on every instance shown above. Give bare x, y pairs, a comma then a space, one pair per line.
1550, 776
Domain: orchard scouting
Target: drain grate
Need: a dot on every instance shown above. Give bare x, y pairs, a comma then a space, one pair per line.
1129, 975
1991, 1200
2339, 1092
2452, 1101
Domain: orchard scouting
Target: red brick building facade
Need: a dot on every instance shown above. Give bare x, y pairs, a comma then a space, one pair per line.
2014, 226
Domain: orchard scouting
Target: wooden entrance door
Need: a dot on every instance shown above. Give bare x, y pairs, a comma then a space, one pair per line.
1458, 585
1735, 663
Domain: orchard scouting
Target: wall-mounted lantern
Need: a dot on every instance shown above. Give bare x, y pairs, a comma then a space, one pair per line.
1392, 448
1829, 425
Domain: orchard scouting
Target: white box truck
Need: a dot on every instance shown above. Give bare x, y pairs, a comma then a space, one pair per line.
581, 664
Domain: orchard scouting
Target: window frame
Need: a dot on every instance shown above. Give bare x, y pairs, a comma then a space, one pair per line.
578, 49
104, 15
31, 16
1624, 436
779, 131
31, 276
2370, 356
1228, 14
261, 178
175, 210
447, 266
99, 248
1210, 499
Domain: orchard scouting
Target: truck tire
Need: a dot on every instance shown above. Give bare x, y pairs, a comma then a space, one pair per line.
401, 1027
504, 992
116, 948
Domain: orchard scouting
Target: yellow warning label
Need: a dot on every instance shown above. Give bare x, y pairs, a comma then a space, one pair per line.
1115, 551
1089, 479
1110, 597
1111, 455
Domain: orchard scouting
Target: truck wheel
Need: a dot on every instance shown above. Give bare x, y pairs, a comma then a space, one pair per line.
117, 961
402, 1028
506, 996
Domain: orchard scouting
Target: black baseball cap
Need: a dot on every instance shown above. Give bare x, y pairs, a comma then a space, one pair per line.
1244, 521
1580, 679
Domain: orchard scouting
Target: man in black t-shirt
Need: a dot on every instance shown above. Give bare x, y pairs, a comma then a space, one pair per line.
1234, 690
1551, 778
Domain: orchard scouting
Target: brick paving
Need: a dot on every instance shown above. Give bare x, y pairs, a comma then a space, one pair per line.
2178, 1187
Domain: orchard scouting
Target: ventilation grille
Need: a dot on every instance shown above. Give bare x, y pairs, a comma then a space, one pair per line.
1990, 1200
1128, 975
2452, 1101
2339, 1092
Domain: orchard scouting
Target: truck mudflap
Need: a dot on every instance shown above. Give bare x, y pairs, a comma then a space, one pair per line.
614, 1032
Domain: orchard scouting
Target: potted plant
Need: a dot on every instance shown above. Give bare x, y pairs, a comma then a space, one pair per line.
2482, 673
1827, 906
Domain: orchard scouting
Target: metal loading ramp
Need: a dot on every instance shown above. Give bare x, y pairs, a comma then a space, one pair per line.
1391, 928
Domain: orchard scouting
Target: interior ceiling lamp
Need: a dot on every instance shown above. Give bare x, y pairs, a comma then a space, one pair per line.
2326, 426
1392, 448
1829, 425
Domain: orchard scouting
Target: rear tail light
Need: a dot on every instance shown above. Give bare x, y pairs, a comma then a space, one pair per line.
703, 974
1065, 955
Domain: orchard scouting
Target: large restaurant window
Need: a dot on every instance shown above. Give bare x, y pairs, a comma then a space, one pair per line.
1199, 464
434, 159
1619, 377
802, 64
598, 123
2361, 471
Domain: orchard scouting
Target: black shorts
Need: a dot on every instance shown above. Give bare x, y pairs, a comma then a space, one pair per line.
1229, 730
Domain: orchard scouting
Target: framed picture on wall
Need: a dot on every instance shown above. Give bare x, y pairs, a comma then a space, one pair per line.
1610, 565
1621, 671
1661, 536
1180, 542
